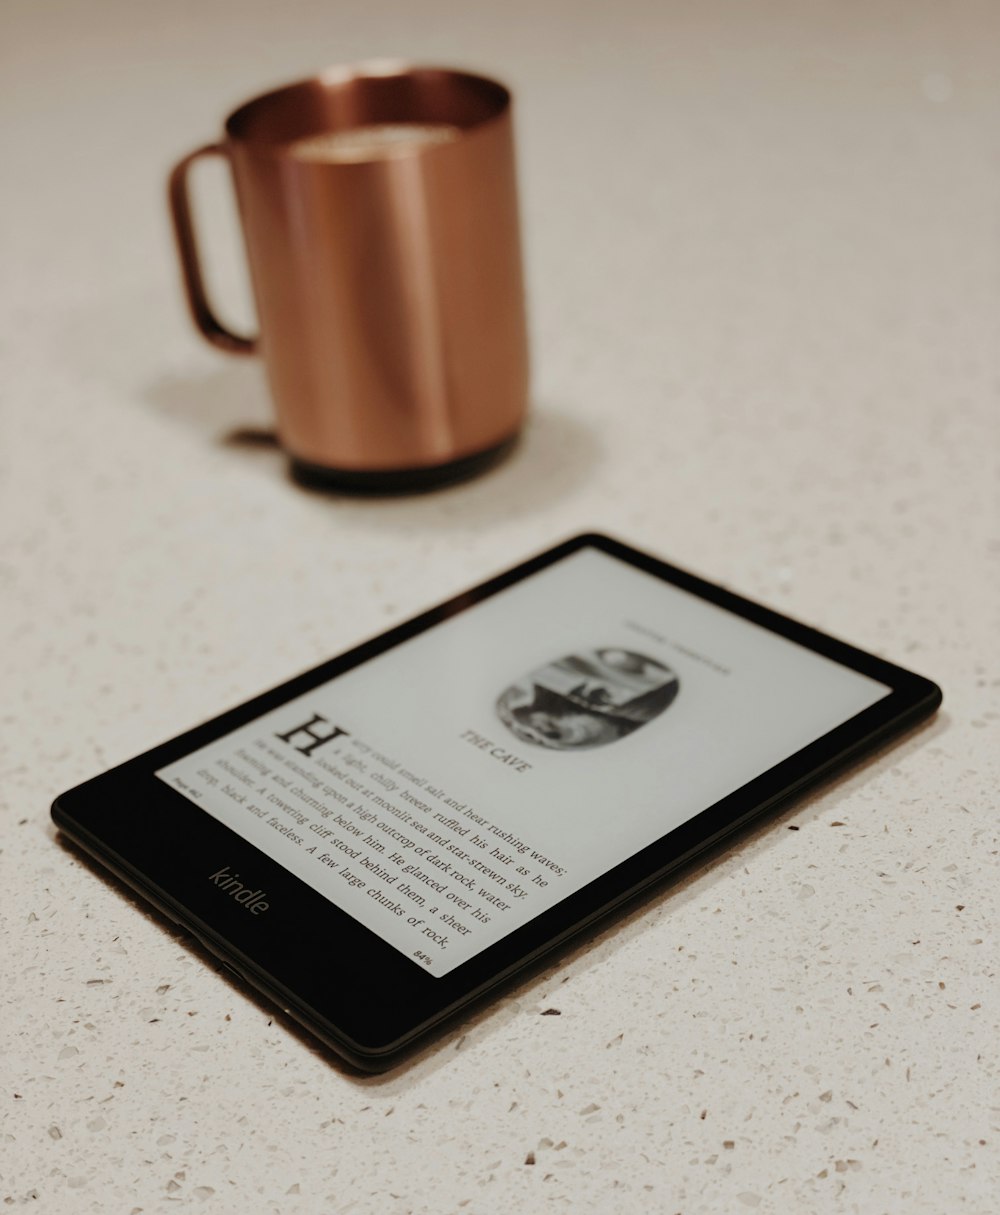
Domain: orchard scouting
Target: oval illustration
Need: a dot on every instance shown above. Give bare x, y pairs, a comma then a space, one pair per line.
587, 699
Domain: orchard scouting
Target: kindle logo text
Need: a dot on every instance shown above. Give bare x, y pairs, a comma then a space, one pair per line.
252, 900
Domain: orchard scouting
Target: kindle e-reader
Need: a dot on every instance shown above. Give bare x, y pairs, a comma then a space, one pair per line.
382, 840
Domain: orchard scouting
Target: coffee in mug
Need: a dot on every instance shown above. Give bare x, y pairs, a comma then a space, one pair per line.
371, 142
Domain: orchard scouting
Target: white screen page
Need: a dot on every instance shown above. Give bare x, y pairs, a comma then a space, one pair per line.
453, 788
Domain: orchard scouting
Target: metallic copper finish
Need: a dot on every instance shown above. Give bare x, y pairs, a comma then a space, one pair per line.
389, 291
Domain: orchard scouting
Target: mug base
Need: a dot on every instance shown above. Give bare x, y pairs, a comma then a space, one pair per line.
398, 480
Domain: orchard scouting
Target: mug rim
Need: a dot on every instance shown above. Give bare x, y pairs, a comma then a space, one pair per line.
328, 79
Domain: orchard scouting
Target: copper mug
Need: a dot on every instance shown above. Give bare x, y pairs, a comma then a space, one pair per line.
388, 284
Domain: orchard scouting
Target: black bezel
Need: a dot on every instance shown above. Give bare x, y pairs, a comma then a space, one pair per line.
372, 1002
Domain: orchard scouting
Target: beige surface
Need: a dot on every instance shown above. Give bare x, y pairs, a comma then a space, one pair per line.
763, 259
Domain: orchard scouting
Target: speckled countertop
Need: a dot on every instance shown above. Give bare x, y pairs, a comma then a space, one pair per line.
763, 248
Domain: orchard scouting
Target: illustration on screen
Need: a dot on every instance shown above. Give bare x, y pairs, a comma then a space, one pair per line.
587, 700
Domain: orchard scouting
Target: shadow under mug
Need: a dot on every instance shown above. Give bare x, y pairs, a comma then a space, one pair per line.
389, 289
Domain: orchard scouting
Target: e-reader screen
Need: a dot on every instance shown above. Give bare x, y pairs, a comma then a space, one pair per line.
455, 786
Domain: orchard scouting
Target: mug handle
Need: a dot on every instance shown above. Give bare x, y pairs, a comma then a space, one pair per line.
187, 248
